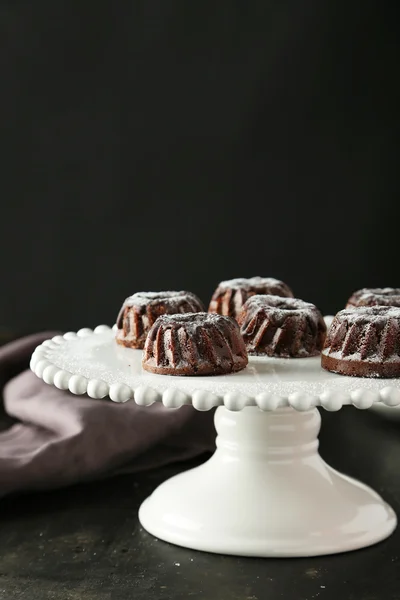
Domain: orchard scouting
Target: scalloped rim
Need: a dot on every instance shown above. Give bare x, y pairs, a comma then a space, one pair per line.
200, 399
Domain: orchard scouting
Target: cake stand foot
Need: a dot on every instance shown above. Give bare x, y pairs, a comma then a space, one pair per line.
267, 492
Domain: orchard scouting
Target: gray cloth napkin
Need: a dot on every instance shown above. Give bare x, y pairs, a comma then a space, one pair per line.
55, 438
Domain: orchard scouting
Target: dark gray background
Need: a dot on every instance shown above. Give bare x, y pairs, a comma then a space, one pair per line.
167, 145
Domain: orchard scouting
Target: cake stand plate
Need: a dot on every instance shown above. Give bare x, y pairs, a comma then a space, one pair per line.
265, 491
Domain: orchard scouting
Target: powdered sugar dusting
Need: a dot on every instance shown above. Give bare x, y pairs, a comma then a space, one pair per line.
251, 282
282, 307
375, 296
145, 298
367, 314
356, 357
191, 321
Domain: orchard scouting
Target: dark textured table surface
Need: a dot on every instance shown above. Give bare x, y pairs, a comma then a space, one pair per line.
85, 542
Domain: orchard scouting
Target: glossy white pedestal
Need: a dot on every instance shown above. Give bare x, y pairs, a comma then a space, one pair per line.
267, 492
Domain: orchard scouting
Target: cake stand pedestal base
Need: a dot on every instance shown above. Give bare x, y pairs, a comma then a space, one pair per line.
267, 492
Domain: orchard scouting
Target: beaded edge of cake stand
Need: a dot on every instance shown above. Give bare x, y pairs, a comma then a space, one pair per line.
200, 399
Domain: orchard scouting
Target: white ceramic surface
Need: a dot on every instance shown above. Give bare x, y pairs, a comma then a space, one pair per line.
91, 362
267, 492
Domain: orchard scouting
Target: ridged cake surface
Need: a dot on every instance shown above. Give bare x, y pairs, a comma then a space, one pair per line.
375, 297
364, 342
194, 344
230, 295
141, 310
281, 327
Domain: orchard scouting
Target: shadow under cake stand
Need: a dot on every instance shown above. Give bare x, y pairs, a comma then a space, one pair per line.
266, 491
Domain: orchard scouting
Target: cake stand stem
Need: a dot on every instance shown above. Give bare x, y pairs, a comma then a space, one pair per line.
267, 492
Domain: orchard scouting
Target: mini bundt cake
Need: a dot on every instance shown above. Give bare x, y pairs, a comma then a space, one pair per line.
375, 297
194, 344
230, 296
281, 327
364, 342
140, 311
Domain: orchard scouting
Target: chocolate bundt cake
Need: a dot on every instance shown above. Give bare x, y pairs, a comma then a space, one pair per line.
281, 327
364, 342
194, 344
230, 296
140, 311
375, 297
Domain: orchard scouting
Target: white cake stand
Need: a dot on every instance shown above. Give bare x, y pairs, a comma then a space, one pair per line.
265, 491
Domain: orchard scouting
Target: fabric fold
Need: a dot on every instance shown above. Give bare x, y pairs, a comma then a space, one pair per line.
58, 439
